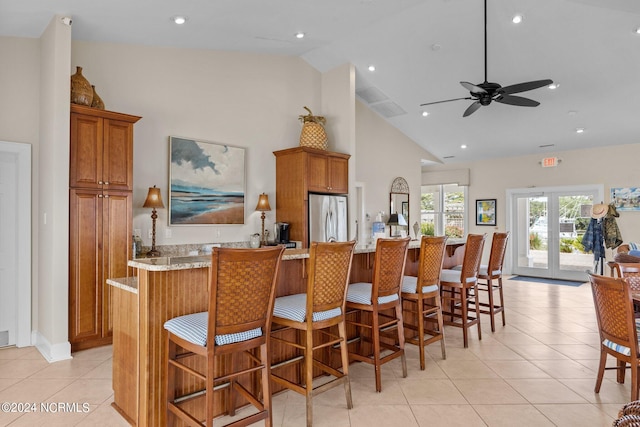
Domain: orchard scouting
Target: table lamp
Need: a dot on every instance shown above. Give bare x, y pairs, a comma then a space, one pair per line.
153, 201
263, 206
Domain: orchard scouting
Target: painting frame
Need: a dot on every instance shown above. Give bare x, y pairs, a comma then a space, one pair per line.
207, 182
486, 212
626, 198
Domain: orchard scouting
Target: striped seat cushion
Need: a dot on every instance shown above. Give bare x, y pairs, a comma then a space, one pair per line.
620, 348
360, 293
453, 276
193, 328
484, 271
294, 307
410, 283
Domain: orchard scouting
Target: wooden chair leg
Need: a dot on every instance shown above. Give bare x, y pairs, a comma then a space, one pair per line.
492, 312
209, 391
475, 291
465, 319
501, 299
420, 318
622, 367
400, 328
170, 381
266, 384
375, 335
231, 404
308, 375
601, 367
440, 325
342, 331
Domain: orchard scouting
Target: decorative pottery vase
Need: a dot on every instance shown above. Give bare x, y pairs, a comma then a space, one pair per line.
81, 91
313, 134
97, 101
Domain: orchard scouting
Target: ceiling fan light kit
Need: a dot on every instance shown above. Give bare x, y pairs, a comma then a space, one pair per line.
486, 92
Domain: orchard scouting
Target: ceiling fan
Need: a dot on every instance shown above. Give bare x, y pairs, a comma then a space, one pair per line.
486, 92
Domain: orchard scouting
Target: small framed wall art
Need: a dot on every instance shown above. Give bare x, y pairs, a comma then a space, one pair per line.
486, 212
207, 182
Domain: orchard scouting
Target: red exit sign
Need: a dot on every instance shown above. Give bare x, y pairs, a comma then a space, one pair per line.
549, 162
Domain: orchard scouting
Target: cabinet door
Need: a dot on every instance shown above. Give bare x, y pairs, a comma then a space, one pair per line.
317, 173
86, 159
338, 175
116, 246
118, 155
85, 264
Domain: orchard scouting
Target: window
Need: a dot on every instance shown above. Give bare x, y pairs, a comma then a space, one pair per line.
443, 210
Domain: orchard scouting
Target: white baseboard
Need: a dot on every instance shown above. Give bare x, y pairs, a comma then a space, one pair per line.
52, 352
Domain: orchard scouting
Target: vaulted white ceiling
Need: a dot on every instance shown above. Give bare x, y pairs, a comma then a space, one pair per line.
421, 49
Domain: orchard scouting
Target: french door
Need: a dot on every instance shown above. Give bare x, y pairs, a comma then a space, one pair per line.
547, 227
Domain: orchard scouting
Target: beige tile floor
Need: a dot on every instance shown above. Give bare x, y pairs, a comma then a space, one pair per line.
539, 370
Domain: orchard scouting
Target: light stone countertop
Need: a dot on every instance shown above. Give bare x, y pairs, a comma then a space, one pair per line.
201, 261
129, 284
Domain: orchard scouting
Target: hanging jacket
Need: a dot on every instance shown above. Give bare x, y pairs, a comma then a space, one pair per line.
592, 240
610, 230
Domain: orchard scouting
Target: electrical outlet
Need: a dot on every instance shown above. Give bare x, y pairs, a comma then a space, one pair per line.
167, 233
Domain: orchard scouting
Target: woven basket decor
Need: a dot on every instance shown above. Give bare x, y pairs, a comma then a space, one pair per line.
313, 134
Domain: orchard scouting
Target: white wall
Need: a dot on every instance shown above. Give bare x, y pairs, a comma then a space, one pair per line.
615, 166
382, 154
239, 99
53, 190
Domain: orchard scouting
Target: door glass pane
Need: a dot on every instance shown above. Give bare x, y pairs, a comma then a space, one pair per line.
538, 208
573, 222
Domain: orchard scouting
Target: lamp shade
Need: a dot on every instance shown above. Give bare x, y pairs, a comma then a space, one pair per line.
396, 219
154, 198
263, 203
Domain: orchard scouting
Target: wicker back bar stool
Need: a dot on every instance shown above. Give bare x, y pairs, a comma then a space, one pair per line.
314, 315
232, 337
489, 273
421, 296
458, 287
380, 302
617, 327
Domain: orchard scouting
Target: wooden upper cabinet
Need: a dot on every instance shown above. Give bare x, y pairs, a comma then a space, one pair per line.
101, 149
328, 173
302, 170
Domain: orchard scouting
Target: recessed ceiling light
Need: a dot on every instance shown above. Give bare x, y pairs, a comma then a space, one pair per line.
372, 67
436, 46
179, 19
572, 112
638, 30
579, 130
517, 19
299, 35
425, 114
554, 86
463, 146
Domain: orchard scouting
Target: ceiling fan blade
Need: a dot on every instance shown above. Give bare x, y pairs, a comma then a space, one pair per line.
472, 109
523, 87
472, 88
517, 100
446, 100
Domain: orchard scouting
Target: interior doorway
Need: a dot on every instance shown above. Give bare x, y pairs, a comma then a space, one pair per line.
15, 244
547, 227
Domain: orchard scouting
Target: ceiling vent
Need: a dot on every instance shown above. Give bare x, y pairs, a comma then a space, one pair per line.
371, 95
388, 109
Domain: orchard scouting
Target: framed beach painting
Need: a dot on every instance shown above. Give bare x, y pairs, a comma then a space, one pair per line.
206, 182
486, 212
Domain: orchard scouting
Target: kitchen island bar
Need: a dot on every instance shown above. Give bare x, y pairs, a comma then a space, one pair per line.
168, 287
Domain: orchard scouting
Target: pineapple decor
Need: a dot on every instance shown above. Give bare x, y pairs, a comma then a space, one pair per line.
313, 134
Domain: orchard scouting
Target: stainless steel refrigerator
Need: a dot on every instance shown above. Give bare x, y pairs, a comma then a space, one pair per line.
327, 218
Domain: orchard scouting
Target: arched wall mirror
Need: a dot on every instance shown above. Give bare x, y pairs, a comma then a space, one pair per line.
399, 208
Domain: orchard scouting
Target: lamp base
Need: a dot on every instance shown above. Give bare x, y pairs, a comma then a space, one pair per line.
153, 253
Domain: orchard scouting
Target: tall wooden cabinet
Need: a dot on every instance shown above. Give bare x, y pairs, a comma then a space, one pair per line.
100, 218
302, 170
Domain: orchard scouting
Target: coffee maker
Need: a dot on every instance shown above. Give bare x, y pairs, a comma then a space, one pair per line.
281, 232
